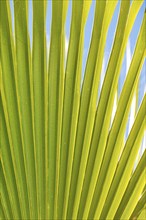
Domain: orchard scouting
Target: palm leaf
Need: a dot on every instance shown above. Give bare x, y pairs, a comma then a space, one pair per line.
63, 152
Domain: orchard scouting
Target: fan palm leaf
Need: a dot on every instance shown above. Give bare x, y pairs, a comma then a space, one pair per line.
64, 154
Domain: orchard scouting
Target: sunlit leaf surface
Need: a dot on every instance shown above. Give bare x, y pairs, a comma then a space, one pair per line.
72, 121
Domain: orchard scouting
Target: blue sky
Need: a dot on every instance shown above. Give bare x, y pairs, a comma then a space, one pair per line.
88, 31
110, 37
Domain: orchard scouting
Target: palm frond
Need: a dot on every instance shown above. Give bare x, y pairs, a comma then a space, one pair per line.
64, 153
